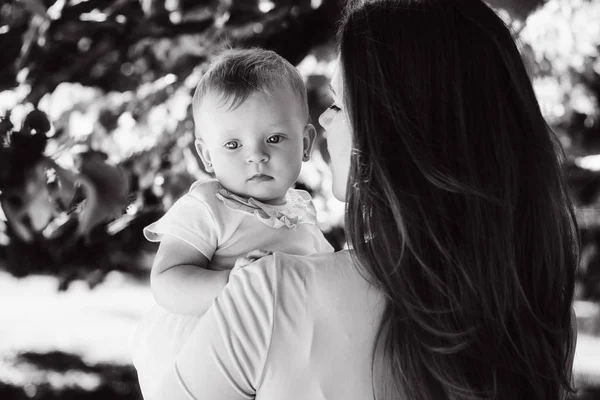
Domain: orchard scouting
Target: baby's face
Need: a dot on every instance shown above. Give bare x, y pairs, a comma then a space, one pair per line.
257, 149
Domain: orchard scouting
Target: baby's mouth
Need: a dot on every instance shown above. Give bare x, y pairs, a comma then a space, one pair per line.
260, 178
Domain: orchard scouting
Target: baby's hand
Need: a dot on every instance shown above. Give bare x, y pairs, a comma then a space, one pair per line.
250, 258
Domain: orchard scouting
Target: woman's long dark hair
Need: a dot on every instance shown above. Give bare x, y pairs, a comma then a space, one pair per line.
456, 203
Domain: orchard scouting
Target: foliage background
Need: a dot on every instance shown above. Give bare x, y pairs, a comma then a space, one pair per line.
117, 77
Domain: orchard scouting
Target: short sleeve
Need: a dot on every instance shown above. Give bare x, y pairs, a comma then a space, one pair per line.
191, 220
325, 246
225, 356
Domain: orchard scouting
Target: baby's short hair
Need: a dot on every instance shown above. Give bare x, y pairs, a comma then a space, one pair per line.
236, 74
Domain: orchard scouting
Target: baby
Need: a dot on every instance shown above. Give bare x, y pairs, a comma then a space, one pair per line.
252, 133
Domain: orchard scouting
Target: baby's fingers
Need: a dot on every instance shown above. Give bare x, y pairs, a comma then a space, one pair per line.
250, 258
242, 262
256, 254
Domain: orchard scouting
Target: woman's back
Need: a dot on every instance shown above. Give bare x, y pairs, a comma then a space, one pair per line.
324, 326
286, 327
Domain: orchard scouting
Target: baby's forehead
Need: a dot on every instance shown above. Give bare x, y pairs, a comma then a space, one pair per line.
232, 99
216, 104
258, 112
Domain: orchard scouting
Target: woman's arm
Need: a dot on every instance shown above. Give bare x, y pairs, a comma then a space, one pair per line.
180, 280
225, 356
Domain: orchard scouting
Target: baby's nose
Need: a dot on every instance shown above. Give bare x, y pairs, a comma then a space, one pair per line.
258, 154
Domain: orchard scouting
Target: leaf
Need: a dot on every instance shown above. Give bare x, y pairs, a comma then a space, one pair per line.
37, 120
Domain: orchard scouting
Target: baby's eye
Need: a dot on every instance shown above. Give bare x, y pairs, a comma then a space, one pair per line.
232, 145
334, 108
275, 139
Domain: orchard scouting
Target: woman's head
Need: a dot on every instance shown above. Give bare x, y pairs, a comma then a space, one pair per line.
339, 138
455, 201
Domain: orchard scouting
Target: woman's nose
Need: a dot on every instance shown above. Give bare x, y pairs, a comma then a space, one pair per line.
325, 119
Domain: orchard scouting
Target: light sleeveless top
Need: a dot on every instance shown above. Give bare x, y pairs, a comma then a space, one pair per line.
285, 327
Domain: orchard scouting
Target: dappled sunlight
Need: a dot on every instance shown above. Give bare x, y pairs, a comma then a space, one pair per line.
67, 317
95, 324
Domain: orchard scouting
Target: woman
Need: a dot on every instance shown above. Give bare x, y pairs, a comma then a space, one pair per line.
460, 280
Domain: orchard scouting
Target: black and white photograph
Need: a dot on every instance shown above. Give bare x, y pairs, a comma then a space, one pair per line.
300, 199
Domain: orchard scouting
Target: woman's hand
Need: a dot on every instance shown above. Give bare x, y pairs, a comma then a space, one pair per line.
249, 259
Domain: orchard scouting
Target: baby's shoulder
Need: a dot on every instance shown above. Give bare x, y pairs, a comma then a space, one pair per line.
209, 192
300, 201
300, 194
204, 191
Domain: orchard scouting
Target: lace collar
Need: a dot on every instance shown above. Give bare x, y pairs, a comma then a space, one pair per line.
298, 208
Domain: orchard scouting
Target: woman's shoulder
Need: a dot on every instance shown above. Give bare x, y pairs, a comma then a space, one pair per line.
326, 278
319, 263
284, 268
285, 279
283, 264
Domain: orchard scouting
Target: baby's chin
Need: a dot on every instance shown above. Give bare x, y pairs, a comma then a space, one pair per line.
266, 197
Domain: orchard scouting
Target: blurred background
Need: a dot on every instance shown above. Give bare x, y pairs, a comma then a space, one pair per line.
115, 79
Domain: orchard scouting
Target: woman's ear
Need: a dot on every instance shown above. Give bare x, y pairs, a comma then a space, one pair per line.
308, 140
202, 150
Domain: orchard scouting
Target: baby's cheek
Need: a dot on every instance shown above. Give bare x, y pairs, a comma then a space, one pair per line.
292, 158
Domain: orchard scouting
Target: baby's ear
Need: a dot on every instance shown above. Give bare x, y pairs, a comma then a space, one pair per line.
202, 150
308, 140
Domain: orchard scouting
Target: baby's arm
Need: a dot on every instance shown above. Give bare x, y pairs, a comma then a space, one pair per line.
180, 280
